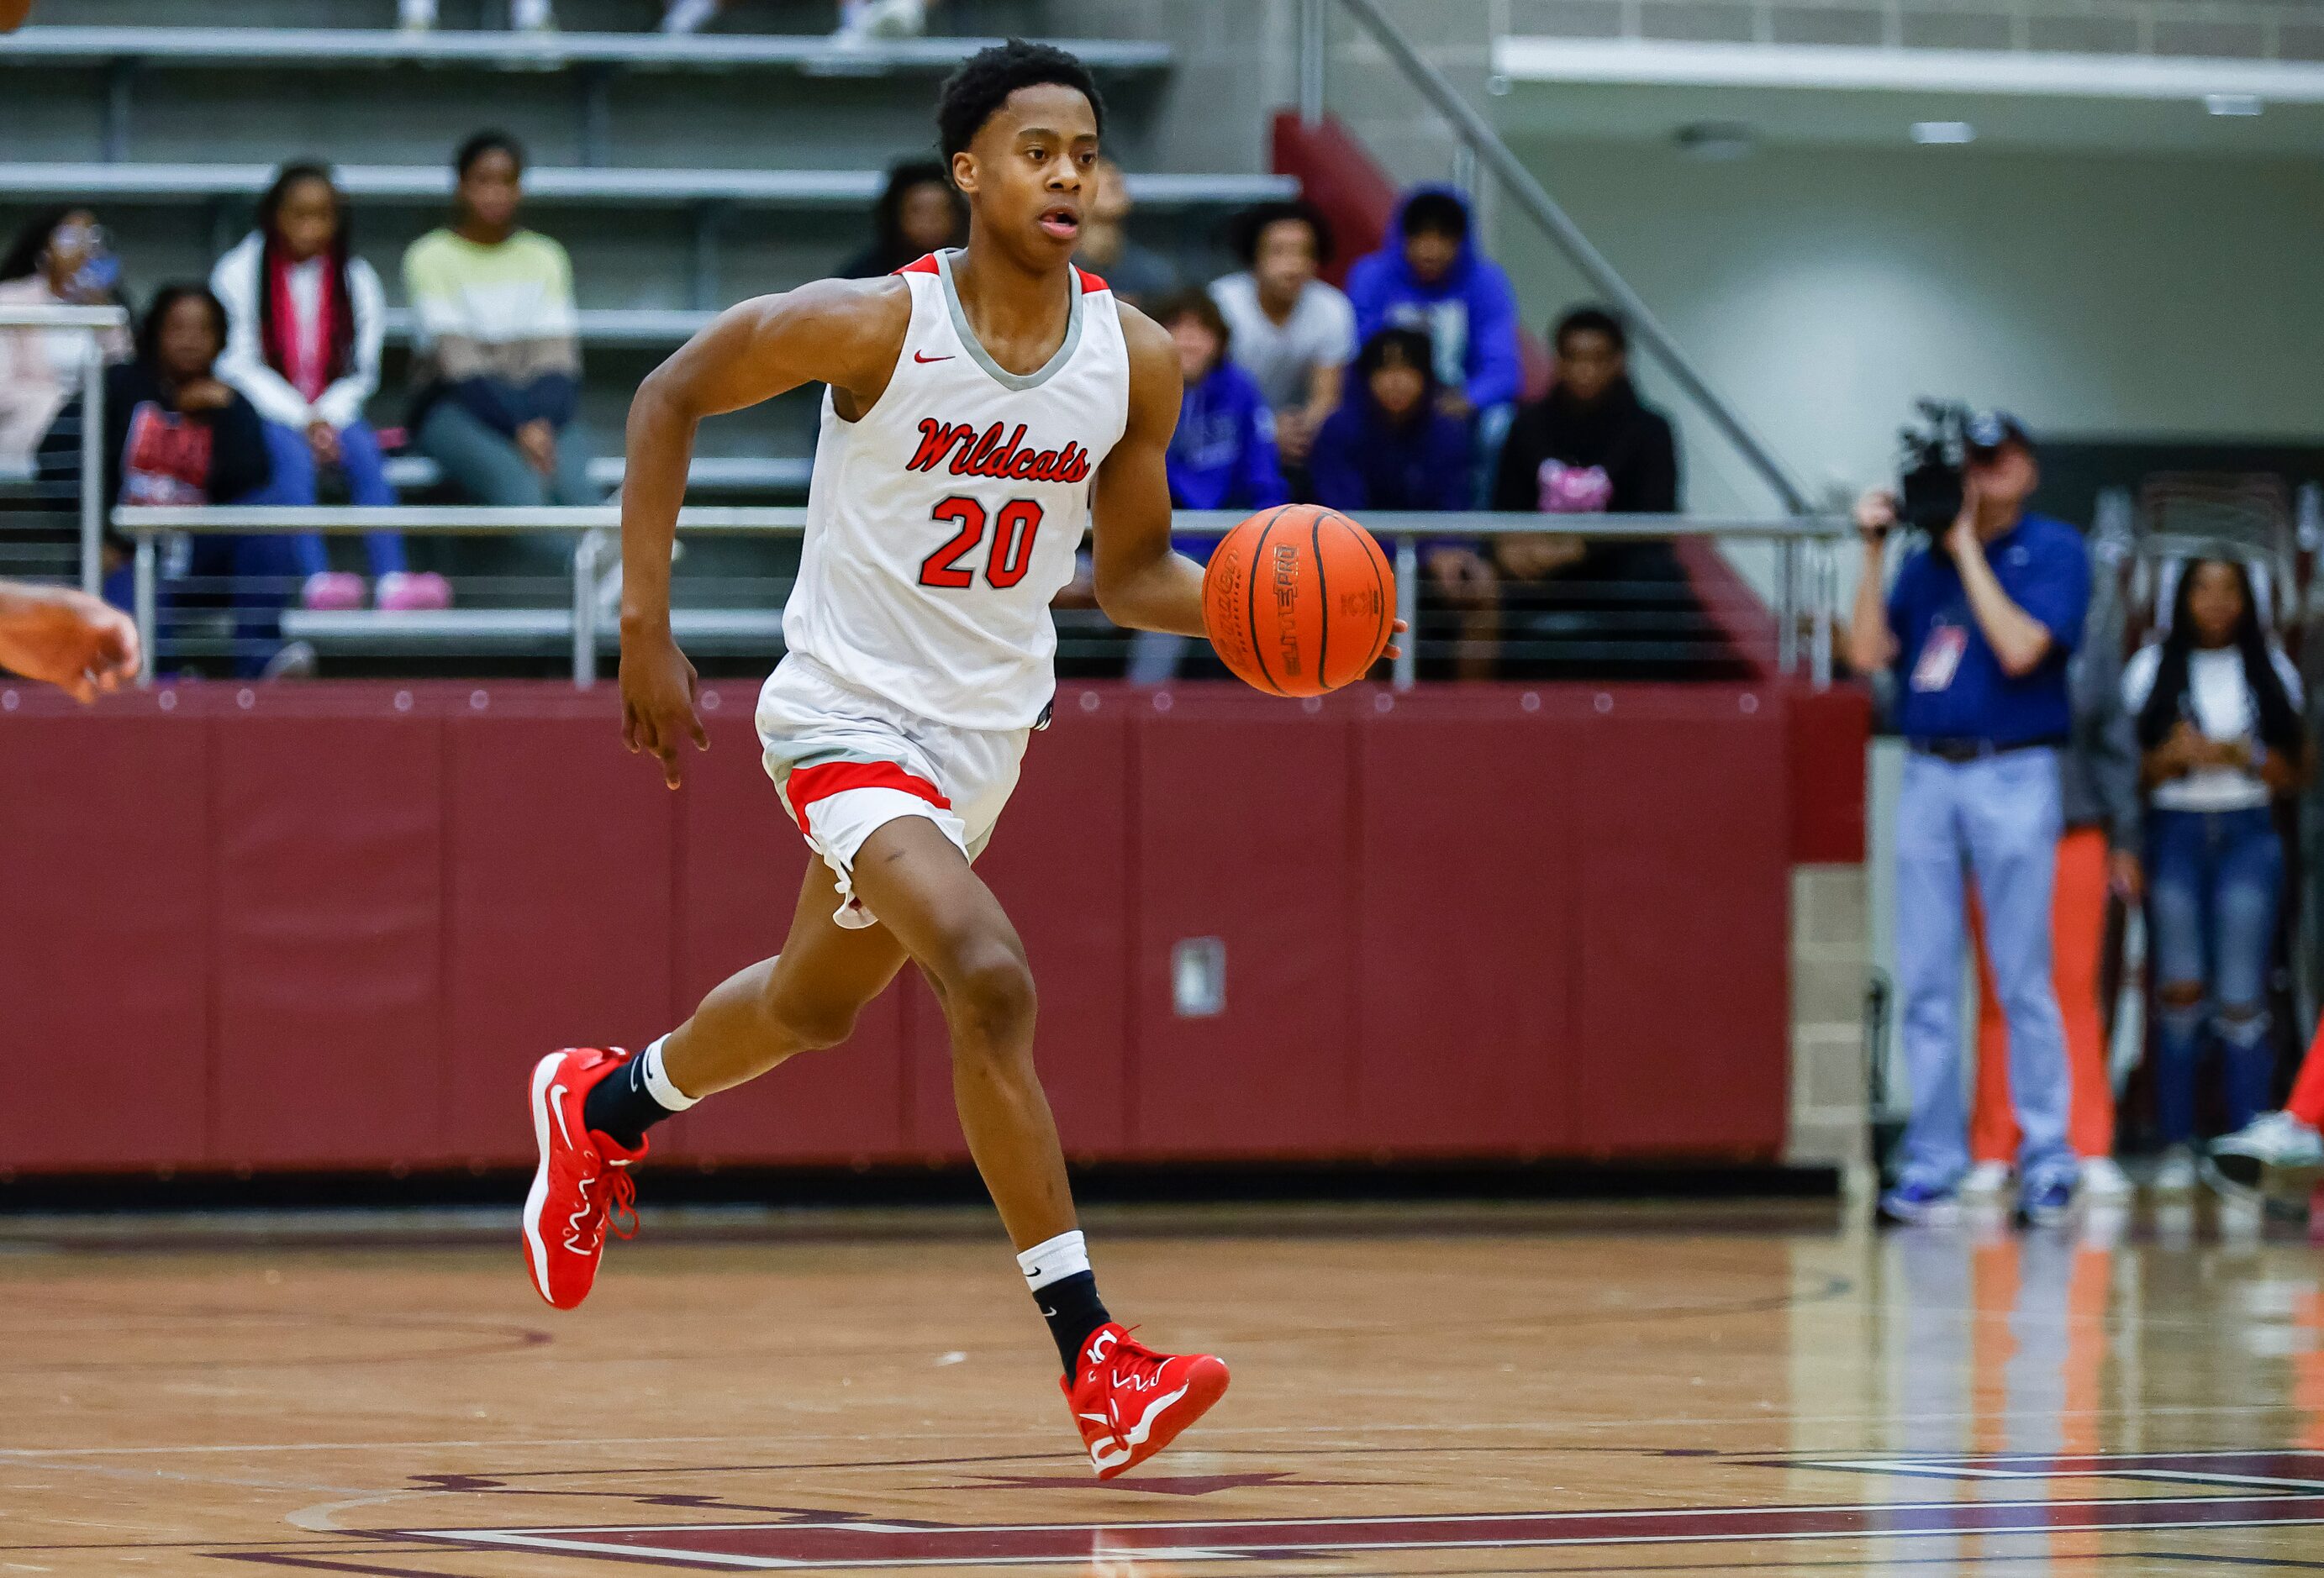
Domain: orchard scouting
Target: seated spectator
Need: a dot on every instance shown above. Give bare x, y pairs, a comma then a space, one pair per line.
920, 212
2218, 721
60, 259
176, 435
305, 319
1429, 277
1222, 457
1289, 330
1588, 447
1136, 274
495, 347
1391, 446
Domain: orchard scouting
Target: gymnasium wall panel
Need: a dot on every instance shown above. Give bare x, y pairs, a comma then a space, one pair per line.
329, 926
1245, 841
105, 933
1682, 890
1464, 965
328, 941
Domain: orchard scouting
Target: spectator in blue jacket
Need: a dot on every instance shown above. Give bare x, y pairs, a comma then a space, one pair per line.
1391, 446
1222, 457
1429, 277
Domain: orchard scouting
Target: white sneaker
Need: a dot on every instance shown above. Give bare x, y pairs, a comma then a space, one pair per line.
2176, 1174
688, 15
416, 15
2103, 1179
1986, 1177
531, 16
2271, 1139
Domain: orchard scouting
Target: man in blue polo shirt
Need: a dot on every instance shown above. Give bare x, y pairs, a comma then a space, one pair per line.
1978, 629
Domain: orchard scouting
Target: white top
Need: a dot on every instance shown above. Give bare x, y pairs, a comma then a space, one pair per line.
1321, 332
2224, 709
940, 523
244, 363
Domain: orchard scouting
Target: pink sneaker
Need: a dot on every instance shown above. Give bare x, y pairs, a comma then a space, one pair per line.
333, 591
404, 592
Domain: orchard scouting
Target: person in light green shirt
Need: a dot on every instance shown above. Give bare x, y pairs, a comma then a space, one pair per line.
496, 352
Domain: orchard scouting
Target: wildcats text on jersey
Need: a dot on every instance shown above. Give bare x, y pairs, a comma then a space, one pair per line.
989, 456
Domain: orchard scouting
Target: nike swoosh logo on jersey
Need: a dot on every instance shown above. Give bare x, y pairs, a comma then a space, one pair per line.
920, 356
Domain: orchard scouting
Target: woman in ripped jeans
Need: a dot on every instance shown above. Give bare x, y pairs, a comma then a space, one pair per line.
2220, 732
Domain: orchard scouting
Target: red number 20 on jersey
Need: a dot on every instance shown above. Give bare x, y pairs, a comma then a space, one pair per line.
1014, 529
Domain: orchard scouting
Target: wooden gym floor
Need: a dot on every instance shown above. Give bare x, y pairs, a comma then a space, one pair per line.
1640, 1391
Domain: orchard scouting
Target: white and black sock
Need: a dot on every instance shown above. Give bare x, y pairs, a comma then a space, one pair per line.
633, 1098
1057, 1270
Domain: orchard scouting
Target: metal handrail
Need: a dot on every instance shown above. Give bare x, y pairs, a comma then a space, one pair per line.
92, 321
1478, 135
1805, 541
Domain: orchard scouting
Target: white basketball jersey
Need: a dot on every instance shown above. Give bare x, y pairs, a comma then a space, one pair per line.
942, 522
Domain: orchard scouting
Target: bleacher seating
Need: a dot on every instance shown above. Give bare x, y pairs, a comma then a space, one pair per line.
681, 174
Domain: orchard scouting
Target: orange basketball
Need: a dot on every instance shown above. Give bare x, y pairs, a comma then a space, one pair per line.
1299, 600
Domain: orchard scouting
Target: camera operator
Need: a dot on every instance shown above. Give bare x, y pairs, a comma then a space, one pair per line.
1978, 629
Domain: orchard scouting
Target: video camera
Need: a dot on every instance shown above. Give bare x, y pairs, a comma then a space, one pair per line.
1948, 437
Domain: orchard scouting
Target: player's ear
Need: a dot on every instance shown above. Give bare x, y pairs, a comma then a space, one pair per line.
963, 171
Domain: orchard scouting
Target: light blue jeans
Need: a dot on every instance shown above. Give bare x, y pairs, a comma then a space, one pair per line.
1997, 819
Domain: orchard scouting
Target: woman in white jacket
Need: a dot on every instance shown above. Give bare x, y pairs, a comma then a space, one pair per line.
305, 322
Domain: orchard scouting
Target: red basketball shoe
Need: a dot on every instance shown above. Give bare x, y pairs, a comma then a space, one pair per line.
1130, 1401
583, 1183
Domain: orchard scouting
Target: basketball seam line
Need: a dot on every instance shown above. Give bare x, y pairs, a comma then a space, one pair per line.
1251, 598
1323, 601
1388, 615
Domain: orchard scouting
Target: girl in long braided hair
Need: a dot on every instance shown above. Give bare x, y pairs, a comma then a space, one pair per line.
2220, 736
306, 318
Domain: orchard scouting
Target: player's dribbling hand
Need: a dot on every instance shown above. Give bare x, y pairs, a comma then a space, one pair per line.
659, 687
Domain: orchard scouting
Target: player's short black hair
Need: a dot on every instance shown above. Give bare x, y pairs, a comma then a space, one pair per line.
484, 142
1434, 213
1245, 229
986, 79
1589, 320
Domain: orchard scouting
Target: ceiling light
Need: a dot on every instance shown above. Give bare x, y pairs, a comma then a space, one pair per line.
1944, 131
2232, 104
1715, 140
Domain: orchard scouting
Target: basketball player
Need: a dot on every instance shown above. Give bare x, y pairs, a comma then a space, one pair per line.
982, 404
68, 638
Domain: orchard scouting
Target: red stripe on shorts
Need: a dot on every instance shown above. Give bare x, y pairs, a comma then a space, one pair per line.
806, 786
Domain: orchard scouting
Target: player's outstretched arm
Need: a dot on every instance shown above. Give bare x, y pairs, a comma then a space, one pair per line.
67, 638
841, 332
1141, 584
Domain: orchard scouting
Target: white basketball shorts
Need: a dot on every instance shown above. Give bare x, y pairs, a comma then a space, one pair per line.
847, 762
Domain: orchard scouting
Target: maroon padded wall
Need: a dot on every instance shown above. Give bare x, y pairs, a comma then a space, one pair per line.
329, 926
